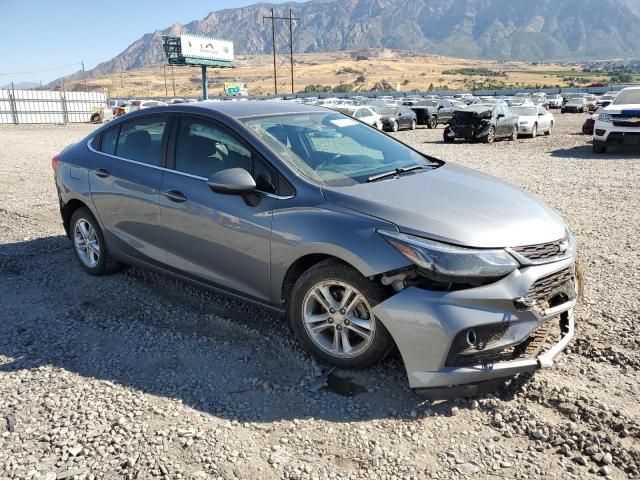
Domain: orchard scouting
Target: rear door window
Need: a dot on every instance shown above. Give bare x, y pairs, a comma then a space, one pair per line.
141, 140
109, 139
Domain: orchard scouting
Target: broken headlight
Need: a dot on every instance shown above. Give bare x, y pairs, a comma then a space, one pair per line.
445, 262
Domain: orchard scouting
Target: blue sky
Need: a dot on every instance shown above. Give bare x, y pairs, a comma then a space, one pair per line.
46, 34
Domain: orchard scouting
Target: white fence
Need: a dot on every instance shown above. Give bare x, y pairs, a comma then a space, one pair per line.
42, 106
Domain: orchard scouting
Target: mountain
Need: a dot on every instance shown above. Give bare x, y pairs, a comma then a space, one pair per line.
489, 29
20, 85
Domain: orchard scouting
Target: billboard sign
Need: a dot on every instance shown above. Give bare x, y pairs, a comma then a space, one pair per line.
206, 48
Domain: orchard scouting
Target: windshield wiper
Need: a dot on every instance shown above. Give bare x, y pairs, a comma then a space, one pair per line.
394, 172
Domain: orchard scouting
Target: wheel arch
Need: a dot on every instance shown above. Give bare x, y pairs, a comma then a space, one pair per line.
300, 266
68, 210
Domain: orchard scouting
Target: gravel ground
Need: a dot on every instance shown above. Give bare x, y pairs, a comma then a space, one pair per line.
139, 376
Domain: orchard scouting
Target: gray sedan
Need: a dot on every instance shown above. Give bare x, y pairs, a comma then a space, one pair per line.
360, 241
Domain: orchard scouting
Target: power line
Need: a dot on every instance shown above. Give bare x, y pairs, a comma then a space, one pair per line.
41, 71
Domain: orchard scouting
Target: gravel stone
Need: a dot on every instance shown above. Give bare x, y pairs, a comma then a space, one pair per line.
154, 378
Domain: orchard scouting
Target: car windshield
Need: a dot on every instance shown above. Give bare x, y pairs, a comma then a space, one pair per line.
388, 111
332, 149
428, 103
525, 111
627, 97
479, 108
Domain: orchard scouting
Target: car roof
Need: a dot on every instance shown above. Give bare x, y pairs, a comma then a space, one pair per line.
250, 108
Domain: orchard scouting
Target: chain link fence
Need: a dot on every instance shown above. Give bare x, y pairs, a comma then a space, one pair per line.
42, 106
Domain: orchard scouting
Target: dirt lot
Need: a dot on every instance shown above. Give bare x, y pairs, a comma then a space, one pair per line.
139, 376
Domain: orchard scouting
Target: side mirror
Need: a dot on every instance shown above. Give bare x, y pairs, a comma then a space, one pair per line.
440, 107
233, 181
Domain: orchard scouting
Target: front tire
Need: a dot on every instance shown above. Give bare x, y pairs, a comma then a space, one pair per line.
394, 126
599, 146
89, 245
490, 137
331, 313
550, 129
95, 118
413, 124
432, 122
446, 135
534, 131
514, 133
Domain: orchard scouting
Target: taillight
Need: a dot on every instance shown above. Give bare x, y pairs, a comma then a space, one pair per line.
54, 162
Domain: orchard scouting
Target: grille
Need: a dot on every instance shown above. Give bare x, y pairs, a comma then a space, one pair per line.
545, 288
541, 251
626, 124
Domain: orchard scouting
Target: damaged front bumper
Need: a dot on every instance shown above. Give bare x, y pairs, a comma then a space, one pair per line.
470, 131
464, 338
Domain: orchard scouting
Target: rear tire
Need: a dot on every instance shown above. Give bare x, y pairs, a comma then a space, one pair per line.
413, 124
599, 146
322, 317
89, 245
432, 122
394, 126
534, 131
550, 129
95, 118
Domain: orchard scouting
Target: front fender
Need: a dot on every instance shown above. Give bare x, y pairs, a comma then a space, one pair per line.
341, 233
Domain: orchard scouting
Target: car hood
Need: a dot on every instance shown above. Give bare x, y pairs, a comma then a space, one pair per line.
629, 109
456, 205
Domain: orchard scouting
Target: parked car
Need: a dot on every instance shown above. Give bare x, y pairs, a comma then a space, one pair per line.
554, 101
141, 104
533, 120
362, 242
575, 105
482, 122
364, 114
398, 118
605, 100
592, 103
587, 126
619, 123
433, 112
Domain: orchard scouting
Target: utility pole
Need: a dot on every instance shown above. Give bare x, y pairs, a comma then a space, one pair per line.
291, 46
290, 19
84, 75
164, 69
173, 81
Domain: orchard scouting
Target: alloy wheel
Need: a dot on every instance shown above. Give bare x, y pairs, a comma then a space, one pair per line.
86, 243
338, 319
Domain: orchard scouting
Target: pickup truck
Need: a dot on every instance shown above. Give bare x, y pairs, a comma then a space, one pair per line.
619, 123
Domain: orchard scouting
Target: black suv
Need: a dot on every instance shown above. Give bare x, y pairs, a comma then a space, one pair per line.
483, 122
433, 112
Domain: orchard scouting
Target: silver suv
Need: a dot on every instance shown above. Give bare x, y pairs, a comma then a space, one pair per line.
362, 242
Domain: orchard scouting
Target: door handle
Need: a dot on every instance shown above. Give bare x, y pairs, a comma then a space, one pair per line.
175, 196
102, 173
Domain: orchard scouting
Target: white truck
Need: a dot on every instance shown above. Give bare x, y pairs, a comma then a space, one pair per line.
619, 123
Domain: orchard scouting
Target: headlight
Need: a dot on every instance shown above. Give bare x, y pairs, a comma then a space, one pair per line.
605, 117
449, 260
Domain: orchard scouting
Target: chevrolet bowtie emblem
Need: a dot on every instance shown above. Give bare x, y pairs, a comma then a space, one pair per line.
563, 247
